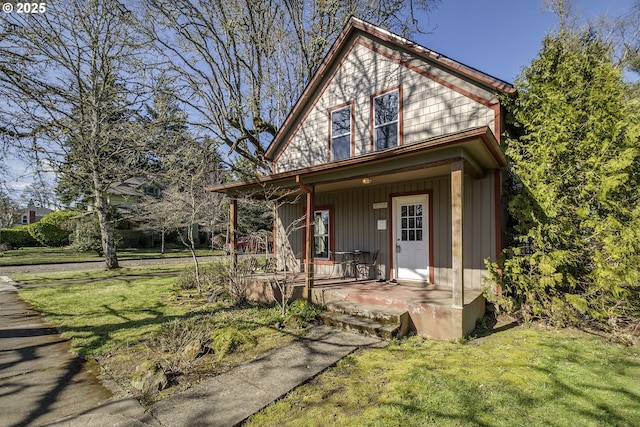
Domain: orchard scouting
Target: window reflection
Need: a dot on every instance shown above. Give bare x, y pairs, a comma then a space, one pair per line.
341, 133
385, 111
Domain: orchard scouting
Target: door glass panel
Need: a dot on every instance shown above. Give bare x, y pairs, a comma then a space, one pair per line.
411, 222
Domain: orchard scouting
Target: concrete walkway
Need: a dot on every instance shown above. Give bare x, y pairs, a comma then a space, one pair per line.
42, 383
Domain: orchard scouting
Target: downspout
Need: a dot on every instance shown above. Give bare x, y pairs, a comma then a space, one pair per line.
308, 268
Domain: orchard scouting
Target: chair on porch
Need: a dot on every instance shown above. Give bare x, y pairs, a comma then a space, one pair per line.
270, 265
339, 263
364, 268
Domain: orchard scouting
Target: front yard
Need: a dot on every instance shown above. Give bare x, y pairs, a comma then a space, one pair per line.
520, 376
515, 375
122, 318
42, 255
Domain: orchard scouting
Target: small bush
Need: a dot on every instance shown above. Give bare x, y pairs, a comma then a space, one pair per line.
218, 279
225, 340
87, 237
187, 279
302, 312
53, 229
174, 337
18, 237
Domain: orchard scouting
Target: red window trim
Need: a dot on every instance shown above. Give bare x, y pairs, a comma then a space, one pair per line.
330, 260
329, 136
400, 116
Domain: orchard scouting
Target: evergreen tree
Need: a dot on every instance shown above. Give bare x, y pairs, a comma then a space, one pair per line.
575, 219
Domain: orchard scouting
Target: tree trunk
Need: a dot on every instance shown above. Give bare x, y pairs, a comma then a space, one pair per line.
106, 233
162, 242
189, 242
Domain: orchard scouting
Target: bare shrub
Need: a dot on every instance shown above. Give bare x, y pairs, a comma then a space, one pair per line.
174, 338
219, 278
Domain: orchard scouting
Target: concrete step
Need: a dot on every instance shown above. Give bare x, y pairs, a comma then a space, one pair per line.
380, 321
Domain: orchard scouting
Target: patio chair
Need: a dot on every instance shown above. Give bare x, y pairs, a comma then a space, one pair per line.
364, 268
270, 265
339, 263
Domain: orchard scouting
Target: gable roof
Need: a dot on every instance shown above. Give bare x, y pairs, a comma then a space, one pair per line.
340, 49
131, 187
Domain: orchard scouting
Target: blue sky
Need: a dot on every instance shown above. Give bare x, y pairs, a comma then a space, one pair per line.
500, 37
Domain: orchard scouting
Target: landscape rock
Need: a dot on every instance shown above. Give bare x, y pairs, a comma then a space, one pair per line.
149, 377
192, 350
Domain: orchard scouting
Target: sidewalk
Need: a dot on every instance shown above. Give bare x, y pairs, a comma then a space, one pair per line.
41, 383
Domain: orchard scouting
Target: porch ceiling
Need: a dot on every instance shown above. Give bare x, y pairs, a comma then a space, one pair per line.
478, 148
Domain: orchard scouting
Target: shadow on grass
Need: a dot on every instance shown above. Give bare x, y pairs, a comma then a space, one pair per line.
40, 284
539, 378
490, 325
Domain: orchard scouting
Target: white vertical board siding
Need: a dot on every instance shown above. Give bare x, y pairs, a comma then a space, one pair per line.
430, 109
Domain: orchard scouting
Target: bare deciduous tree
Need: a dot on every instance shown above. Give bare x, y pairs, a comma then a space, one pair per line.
241, 65
185, 206
72, 91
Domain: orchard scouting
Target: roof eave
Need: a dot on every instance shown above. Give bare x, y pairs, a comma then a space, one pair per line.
288, 179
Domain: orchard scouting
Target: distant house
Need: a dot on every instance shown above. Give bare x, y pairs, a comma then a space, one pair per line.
33, 214
124, 197
126, 194
393, 149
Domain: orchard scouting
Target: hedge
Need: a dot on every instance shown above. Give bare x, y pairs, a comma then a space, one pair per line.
17, 237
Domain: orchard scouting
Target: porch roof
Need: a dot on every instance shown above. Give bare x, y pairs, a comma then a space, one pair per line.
477, 147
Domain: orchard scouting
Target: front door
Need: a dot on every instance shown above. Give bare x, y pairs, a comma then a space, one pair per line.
410, 237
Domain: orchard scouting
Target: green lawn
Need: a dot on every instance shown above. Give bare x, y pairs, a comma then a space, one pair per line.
517, 377
83, 276
106, 313
41, 255
122, 318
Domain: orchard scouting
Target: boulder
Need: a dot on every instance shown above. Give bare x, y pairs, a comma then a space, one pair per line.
149, 377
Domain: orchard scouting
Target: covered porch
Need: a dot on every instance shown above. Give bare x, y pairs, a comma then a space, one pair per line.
448, 185
426, 311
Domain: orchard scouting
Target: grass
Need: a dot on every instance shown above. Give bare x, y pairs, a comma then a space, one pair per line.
140, 314
517, 377
42, 255
84, 276
106, 313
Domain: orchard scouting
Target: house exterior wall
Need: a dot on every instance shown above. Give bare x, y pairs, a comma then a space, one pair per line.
434, 103
355, 226
121, 201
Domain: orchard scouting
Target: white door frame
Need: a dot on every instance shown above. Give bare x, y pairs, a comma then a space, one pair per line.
420, 255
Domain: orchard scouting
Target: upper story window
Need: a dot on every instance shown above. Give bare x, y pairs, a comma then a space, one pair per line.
340, 139
151, 191
386, 120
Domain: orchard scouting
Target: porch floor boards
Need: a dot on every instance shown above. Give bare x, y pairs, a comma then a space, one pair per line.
381, 293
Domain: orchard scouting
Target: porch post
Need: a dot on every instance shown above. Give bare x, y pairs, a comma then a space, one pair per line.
309, 267
457, 250
233, 226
